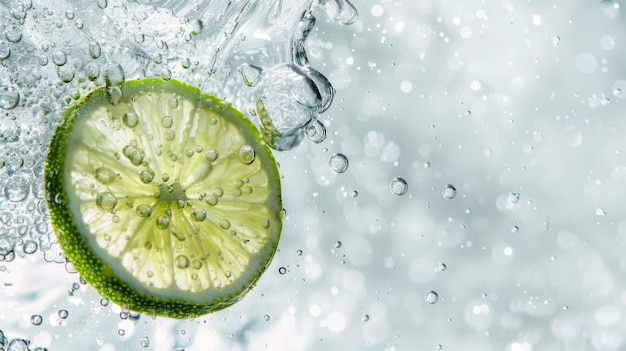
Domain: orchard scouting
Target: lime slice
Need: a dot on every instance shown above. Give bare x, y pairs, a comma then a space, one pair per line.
167, 202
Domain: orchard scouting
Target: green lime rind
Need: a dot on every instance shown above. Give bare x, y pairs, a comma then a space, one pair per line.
93, 266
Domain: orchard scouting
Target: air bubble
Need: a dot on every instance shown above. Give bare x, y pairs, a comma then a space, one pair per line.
365, 318
250, 74
30, 247
113, 75
162, 222
282, 270
441, 267
143, 211
166, 121
173, 102
5, 51
398, 186
92, 70
198, 214
196, 264
102, 3
133, 154
266, 317
246, 154
145, 342
94, 50
146, 176
59, 58
106, 201
448, 192
105, 175
513, 198
211, 155
165, 177
182, 261
9, 98
36, 319
431, 297
130, 119
225, 223
63, 314
169, 135
337, 244
338, 163
13, 34
315, 131
16, 189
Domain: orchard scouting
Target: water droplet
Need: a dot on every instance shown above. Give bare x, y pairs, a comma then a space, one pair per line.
133, 154
513, 198
106, 201
338, 163
94, 50
105, 175
211, 155
182, 261
59, 58
266, 317
36, 319
144, 211
166, 121
9, 98
431, 297
162, 222
145, 342
63, 314
398, 186
16, 189
246, 154
315, 131
282, 270
146, 176
337, 244
198, 214
448, 192
30, 246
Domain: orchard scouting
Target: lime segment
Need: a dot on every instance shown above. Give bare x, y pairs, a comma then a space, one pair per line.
167, 202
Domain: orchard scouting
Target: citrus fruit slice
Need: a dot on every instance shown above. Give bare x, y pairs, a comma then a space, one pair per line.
167, 202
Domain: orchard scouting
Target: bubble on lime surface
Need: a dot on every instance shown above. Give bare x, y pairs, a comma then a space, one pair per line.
338, 163
398, 186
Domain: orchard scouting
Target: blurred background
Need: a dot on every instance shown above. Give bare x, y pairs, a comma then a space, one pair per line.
481, 207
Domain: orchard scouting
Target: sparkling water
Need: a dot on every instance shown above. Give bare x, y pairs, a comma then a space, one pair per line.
453, 172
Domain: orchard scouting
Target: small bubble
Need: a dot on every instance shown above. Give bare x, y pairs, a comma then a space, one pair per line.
16, 189
165, 74
172, 102
282, 270
30, 246
94, 50
182, 261
441, 267
337, 244
365, 318
106, 201
146, 176
105, 175
299, 252
9, 98
59, 58
63, 314
165, 177
166, 121
198, 214
130, 119
246, 154
431, 297
162, 222
69, 14
145, 342
448, 192
266, 317
315, 131
133, 154
338, 163
36, 319
398, 186
169, 135
144, 211
225, 223
13, 34
92, 70
211, 155
114, 75
600, 212
197, 264
513, 198
104, 302
354, 193
102, 3
121, 332
556, 40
